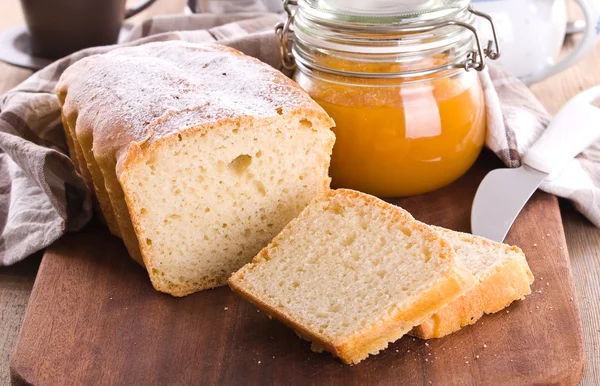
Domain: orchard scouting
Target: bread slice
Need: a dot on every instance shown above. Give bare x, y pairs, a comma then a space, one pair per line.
353, 273
199, 155
502, 276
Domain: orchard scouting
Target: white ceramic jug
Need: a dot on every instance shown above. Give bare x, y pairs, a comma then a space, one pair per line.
531, 34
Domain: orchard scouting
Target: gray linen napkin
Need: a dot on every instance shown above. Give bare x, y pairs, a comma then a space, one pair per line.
42, 196
230, 6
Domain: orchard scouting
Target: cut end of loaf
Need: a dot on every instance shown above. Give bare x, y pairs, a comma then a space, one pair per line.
352, 273
244, 181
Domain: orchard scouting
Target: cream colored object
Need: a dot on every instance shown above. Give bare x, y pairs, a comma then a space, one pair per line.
502, 275
198, 155
353, 273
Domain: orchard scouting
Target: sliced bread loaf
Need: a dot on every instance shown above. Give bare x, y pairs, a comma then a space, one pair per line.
502, 276
353, 273
198, 155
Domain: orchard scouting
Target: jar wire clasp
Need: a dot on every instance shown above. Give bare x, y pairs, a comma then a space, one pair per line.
477, 59
282, 30
492, 50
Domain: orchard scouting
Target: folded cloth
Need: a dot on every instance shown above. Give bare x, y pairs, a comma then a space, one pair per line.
42, 196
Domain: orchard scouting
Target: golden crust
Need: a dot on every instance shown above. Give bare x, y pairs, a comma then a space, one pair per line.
101, 200
509, 280
397, 322
113, 210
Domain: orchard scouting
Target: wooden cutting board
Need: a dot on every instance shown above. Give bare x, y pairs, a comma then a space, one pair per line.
93, 318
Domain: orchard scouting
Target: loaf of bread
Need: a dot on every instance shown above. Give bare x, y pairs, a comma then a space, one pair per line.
198, 155
502, 276
353, 273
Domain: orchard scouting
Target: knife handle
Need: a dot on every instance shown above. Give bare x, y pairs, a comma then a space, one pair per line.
573, 129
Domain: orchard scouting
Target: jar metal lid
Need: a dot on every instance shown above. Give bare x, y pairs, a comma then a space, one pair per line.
408, 27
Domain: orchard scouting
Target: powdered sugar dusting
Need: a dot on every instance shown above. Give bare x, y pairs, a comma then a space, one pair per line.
147, 92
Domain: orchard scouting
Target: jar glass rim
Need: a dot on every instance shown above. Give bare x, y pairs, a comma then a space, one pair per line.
381, 13
356, 44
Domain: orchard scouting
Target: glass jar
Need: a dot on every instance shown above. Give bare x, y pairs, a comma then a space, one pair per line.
398, 82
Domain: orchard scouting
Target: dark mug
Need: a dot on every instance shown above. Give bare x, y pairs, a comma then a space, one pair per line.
60, 27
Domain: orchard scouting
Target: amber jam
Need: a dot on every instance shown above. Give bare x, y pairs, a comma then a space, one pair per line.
408, 107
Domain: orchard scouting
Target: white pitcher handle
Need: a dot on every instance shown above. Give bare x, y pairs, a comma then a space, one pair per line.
588, 42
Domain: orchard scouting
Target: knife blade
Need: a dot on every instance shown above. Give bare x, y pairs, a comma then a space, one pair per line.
511, 189
503, 193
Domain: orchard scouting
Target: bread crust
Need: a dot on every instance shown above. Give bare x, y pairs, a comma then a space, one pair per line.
113, 210
507, 281
102, 203
396, 322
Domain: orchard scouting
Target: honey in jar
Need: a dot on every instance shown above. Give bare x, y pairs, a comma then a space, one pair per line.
401, 87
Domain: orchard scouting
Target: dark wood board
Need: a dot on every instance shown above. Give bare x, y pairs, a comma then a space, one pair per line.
93, 318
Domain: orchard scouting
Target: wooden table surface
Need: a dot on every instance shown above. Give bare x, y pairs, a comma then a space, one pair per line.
583, 238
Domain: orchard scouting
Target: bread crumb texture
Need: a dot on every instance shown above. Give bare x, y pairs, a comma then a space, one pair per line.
206, 205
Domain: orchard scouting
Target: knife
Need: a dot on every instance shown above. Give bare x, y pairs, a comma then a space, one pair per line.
504, 192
